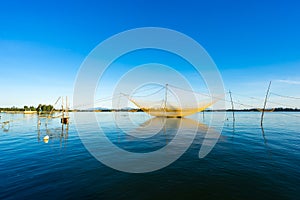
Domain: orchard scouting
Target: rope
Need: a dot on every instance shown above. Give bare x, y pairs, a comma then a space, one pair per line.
172, 86
242, 104
188, 90
273, 102
284, 96
150, 94
247, 96
111, 98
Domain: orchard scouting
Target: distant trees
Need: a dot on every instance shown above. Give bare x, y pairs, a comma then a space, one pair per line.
40, 107
44, 108
12, 109
31, 108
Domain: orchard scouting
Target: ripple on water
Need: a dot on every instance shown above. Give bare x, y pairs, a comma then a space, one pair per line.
246, 163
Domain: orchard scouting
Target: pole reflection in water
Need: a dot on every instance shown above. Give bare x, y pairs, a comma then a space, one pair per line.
263, 134
156, 133
265, 142
5, 126
53, 134
132, 145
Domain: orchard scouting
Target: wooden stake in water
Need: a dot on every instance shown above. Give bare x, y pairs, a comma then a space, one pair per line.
263, 111
232, 107
166, 96
67, 107
62, 107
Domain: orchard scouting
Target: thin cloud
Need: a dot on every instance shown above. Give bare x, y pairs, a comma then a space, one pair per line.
289, 82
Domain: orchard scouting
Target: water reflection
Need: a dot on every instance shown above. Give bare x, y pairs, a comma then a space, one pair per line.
161, 128
268, 148
263, 134
175, 134
5, 126
150, 145
53, 134
233, 128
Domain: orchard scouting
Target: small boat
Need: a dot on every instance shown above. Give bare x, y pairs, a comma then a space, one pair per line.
266, 110
29, 112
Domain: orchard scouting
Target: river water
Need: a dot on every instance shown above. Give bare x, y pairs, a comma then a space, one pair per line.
247, 162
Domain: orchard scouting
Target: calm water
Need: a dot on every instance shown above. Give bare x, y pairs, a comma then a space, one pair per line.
245, 163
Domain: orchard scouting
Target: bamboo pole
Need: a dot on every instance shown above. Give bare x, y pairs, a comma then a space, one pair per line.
265, 103
166, 96
232, 106
49, 116
67, 108
62, 107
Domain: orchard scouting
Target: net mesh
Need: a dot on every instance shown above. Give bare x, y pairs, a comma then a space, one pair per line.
170, 101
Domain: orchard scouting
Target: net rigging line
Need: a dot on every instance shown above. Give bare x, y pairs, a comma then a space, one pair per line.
282, 104
134, 95
97, 101
242, 95
287, 114
284, 96
273, 102
221, 99
169, 85
236, 102
104, 99
149, 94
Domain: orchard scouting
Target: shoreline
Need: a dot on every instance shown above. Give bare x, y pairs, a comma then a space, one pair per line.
137, 110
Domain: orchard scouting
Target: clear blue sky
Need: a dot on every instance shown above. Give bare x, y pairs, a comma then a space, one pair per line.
43, 43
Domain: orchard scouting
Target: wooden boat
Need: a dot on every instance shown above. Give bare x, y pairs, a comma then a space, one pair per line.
29, 112
266, 110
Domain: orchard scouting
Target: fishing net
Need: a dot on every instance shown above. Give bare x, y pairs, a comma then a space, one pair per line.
170, 101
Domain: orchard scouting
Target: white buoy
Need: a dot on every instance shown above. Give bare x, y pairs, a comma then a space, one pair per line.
46, 139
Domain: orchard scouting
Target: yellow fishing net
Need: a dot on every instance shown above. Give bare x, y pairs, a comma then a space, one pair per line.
171, 101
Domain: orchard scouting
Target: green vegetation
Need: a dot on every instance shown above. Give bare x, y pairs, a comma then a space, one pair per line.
39, 108
12, 109
44, 108
31, 108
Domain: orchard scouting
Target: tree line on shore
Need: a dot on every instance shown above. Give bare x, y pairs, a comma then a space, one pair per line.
39, 108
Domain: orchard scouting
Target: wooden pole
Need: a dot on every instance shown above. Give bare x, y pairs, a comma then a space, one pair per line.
265, 103
232, 106
166, 96
53, 107
67, 108
62, 107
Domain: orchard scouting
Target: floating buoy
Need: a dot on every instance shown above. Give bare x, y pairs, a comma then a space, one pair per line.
46, 139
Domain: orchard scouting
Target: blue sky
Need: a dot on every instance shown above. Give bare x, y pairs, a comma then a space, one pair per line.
43, 43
